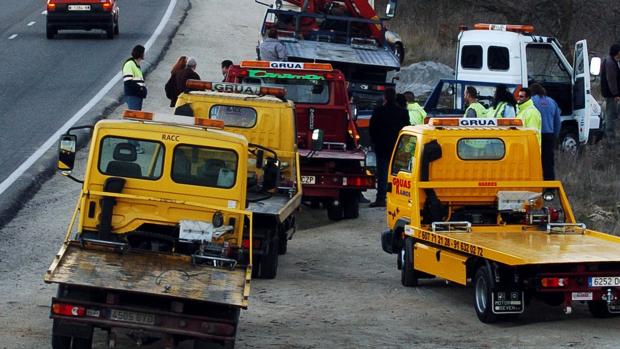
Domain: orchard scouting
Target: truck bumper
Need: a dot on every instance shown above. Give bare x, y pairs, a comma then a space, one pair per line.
84, 21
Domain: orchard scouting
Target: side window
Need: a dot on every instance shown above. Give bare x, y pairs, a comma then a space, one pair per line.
498, 58
133, 158
404, 155
471, 57
202, 166
544, 65
480, 149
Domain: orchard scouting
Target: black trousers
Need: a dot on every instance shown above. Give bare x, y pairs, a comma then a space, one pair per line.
546, 154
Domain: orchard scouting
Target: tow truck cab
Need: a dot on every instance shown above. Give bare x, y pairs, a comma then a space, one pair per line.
333, 171
513, 54
466, 203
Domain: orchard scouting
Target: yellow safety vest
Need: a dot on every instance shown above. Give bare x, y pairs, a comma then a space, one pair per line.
416, 113
478, 108
531, 117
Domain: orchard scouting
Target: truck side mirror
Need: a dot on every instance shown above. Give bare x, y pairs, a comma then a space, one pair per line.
595, 66
66, 153
353, 110
317, 139
390, 9
259, 158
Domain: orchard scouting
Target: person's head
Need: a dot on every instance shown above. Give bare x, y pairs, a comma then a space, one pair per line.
180, 64
409, 96
471, 94
272, 33
614, 51
137, 52
389, 95
503, 95
225, 66
537, 89
191, 63
401, 100
524, 95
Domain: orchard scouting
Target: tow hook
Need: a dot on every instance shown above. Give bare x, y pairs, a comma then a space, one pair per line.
609, 297
568, 308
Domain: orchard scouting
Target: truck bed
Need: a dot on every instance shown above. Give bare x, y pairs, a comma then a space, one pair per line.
530, 247
149, 273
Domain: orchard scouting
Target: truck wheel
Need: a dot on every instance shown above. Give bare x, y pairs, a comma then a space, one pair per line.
334, 212
61, 342
351, 205
268, 265
482, 295
599, 309
50, 32
408, 275
569, 143
283, 245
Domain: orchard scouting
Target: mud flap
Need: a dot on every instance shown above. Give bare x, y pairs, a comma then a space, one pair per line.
387, 239
72, 329
508, 302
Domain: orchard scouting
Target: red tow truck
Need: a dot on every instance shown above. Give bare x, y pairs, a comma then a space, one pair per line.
334, 168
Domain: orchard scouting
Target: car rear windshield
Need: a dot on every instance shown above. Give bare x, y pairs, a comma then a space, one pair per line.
480, 149
300, 88
204, 166
134, 158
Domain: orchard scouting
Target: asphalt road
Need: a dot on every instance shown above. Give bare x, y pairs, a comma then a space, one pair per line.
45, 82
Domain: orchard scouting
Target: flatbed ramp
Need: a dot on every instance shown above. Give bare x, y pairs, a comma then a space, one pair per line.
530, 247
149, 273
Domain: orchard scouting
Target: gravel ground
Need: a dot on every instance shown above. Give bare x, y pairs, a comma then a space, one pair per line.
335, 288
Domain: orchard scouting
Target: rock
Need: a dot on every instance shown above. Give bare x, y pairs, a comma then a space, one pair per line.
421, 77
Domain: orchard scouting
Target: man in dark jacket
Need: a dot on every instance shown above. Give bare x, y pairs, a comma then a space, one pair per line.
610, 89
385, 123
186, 74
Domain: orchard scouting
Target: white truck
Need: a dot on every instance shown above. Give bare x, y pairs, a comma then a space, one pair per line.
512, 54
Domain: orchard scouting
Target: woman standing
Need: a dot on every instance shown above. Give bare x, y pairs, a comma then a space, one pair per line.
171, 90
503, 104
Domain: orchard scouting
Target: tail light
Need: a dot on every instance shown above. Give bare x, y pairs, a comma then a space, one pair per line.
68, 310
51, 6
107, 6
246, 244
554, 282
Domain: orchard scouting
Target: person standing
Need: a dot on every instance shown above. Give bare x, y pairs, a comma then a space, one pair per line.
527, 112
271, 49
610, 89
189, 72
171, 86
416, 112
225, 66
385, 123
550, 130
133, 79
503, 104
474, 108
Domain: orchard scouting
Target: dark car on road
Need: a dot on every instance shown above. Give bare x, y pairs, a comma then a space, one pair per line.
82, 14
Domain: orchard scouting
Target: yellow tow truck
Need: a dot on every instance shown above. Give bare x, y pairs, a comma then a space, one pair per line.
160, 243
467, 203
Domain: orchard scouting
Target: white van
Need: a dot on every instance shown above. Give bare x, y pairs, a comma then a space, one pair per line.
512, 54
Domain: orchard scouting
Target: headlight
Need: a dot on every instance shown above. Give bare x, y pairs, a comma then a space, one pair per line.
218, 219
548, 195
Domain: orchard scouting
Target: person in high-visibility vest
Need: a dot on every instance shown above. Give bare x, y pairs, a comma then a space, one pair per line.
416, 112
503, 104
474, 108
527, 112
133, 79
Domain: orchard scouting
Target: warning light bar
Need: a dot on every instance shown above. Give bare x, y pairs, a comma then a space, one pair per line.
475, 122
286, 65
209, 122
172, 119
505, 27
137, 114
226, 87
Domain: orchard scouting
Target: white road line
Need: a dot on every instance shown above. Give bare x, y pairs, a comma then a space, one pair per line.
12, 36
31, 23
77, 116
44, 12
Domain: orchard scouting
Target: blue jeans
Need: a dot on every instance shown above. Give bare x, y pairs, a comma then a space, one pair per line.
133, 102
383, 161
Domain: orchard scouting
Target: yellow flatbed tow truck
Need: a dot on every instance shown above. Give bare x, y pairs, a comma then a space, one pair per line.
160, 242
467, 203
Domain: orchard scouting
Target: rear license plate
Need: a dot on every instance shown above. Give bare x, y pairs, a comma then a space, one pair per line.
308, 180
79, 7
604, 281
507, 302
582, 296
132, 316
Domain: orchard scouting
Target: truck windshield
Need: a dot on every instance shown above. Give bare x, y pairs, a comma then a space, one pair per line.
135, 158
544, 65
209, 167
305, 89
481, 149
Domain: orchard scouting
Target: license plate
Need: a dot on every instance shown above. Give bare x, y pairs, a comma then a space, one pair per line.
604, 281
308, 180
132, 316
582, 296
507, 302
79, 7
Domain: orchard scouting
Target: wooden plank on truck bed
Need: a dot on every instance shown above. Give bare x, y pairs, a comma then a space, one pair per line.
149, 273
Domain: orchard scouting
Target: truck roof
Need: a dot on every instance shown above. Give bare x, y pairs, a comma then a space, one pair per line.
489, 37
244, 99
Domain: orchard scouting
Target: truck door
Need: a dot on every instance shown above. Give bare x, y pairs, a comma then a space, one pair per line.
400, 175
581, 90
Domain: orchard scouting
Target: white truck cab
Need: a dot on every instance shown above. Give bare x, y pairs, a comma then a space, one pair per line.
512, 54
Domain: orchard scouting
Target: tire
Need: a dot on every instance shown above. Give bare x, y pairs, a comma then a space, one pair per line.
399, 52
351, 205
116, 29
408, 275
569, 143
482, 295
61, 342
335, 212
268, 266
202, 344
599, 309
283, 244
110, 31
50, 32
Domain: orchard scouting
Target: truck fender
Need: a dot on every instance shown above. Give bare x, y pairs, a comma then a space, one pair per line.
392, 240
